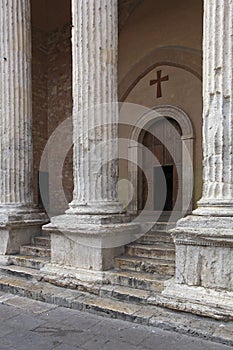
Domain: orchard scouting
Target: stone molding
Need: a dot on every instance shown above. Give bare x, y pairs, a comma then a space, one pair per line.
135, 150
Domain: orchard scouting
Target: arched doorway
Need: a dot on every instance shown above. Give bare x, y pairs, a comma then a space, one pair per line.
163, 141
181, 122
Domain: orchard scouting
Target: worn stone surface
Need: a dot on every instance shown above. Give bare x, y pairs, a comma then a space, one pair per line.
217, 103
42, 316
95, 142
79, 238
204, 240
19, 220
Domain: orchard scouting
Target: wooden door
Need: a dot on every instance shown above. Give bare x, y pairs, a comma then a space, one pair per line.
169, 166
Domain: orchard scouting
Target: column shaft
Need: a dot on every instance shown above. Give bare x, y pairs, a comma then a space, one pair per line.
19, 219
217, 108
15, 104
204, 241
95, 110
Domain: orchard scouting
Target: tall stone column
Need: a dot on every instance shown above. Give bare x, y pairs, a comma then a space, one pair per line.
19, 220
95, 109
217, 197
204, 241
94, 228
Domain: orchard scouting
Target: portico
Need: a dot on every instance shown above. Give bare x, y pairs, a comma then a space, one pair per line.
95, 230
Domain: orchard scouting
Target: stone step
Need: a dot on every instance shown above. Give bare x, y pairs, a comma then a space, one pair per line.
160, 266
35, 250
163, 226
139, 280
20, 271
29, 261
160, 250
155, 316
154, 237
125, 294
43, 241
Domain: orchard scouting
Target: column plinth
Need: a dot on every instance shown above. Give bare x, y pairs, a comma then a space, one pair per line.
204, 240
95, 227
19, 218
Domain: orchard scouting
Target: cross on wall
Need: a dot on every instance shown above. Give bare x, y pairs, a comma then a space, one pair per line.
159, 81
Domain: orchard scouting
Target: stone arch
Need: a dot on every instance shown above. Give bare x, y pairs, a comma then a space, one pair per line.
187, 138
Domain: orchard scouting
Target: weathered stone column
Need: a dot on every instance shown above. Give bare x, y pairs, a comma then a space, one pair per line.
19, 220
95, 109
94, 229
204, 241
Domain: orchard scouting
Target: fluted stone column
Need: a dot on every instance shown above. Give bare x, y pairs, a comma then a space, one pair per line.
204, 241
217, 198
19, 220
95, 109
94, 228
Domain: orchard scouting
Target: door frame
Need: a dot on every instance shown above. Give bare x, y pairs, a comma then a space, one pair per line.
135, 153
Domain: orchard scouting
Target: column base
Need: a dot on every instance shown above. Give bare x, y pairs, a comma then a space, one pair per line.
17, 227
90, 241
204, 252
202, 301
96, 208
203, 281
214, 208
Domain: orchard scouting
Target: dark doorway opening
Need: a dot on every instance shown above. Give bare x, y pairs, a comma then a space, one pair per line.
163, 201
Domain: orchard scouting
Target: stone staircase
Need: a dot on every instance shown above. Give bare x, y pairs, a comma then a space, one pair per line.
34, 255
138, 276
132, 291
148, 262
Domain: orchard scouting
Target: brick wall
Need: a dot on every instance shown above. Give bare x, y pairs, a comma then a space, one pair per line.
60, 103
52, 100
39, 101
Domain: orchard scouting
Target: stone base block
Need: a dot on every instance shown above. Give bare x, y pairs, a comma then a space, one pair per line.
88, 245
212, 303
204, 252
68, 276
18, 227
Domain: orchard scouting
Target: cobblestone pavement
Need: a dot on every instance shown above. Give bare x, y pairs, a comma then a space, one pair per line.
28, 324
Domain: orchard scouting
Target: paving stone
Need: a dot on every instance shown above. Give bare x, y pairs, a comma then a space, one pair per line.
164, 340
68, 347
224, 331
66, 329
67, 334
6, 312
106, 344
55, 314
30, 340
33, 306
133, 335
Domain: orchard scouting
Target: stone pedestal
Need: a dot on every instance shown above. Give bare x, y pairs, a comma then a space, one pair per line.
95, 228
19, 219
91, 245
204, 240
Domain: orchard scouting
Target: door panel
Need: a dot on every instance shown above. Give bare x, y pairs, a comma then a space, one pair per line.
168, 138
